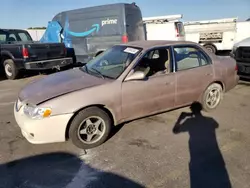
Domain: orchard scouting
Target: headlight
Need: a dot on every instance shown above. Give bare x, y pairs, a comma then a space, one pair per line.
232, 53
234, 49
36, 112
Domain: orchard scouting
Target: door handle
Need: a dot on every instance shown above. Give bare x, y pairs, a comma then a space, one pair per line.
169, 83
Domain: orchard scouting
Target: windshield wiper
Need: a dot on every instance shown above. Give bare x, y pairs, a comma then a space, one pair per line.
86, 69
98, 72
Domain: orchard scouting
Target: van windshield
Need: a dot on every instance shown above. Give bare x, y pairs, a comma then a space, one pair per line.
112, 62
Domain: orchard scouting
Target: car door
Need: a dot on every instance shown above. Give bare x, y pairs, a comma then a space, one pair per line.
194, 72
145, 97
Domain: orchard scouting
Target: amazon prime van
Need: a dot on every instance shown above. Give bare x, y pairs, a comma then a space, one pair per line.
89, 31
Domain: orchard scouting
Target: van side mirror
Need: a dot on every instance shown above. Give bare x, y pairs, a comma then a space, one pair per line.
138, 75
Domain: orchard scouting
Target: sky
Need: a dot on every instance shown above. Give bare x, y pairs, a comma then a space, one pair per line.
36, 13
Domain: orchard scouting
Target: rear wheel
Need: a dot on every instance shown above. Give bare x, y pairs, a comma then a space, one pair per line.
90, 128
212, 97
10, 69
210, 48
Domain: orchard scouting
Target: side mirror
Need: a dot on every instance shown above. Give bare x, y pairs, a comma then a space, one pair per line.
138, 75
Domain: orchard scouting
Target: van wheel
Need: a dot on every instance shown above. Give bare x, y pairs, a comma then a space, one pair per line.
10, 69
90, 128
212, 97
210, 48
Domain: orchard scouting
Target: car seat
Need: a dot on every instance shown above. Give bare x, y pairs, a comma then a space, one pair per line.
11, 39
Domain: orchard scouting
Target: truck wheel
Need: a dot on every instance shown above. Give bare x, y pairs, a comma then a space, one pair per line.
90, 128
10, 69
212, 97
210, 48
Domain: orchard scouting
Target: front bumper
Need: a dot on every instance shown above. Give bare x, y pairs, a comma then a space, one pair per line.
243, 69
48, 64
47, 130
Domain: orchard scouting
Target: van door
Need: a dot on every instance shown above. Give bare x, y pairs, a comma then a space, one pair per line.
134, 24
180, 31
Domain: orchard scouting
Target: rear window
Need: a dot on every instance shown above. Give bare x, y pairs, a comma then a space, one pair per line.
180, 28
13, 36
2, 36
24, 36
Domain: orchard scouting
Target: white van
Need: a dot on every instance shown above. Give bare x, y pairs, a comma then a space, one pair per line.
164, 28
217, 35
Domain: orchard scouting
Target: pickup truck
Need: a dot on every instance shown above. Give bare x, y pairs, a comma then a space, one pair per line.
19, 52
241, 53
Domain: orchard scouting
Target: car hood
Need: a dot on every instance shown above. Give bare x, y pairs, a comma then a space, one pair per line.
245, 42
58, 84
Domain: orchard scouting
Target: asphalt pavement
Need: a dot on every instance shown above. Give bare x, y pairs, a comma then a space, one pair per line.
212, 151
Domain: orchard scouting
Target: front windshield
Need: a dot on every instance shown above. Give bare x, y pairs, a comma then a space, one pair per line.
113, 61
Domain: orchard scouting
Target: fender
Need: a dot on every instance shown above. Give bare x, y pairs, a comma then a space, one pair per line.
7, 53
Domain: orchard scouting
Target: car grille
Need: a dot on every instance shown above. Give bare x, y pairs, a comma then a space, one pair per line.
243, 54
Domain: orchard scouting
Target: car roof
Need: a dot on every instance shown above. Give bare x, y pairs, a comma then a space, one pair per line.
147, 44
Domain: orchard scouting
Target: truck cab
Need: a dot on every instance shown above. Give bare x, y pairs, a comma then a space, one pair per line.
241, 53
19, 52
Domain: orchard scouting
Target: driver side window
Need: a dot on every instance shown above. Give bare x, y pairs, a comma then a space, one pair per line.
155, 62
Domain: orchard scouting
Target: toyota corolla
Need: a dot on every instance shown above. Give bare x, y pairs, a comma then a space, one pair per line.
125, 82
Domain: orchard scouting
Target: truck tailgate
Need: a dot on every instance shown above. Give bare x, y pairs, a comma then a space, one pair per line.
44, 51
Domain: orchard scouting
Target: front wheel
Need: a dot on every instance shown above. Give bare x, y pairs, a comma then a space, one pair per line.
90, 128
10, 69
212, 97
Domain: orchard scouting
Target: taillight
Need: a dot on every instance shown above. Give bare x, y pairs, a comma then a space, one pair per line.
177, 32
25, 53
65, 51
236, 67
124, 39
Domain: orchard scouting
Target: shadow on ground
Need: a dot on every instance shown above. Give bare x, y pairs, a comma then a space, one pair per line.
207, 167
244, 82
224, 53
58, 170
28, 73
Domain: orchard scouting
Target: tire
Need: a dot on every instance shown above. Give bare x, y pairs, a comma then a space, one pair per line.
207, 97
10, 69
89, 129
210, 48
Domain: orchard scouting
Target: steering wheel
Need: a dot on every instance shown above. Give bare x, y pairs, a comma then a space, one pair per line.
104, 63
145, 62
